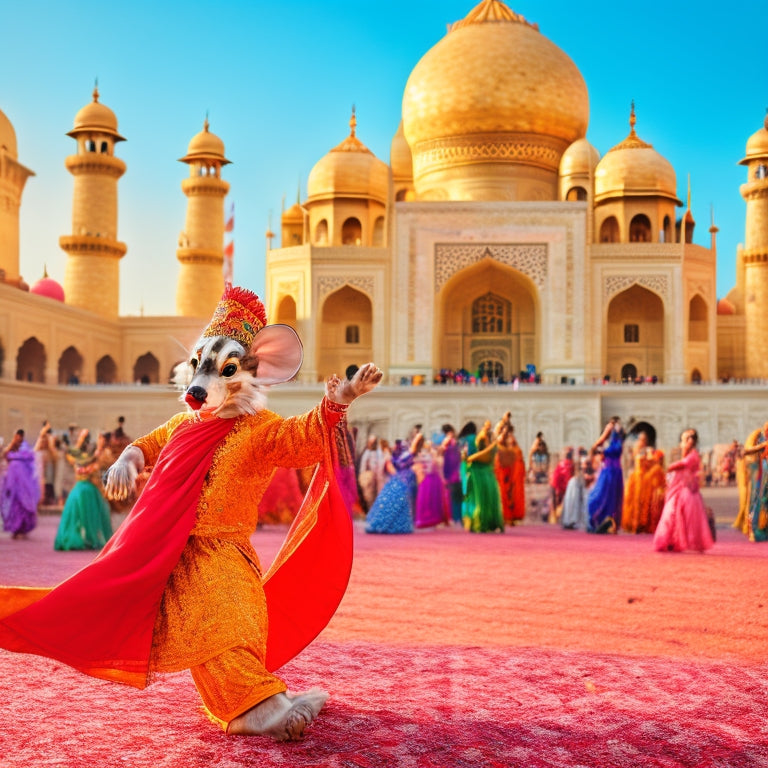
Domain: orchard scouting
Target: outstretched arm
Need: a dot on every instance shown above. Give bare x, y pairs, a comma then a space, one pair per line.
344, 391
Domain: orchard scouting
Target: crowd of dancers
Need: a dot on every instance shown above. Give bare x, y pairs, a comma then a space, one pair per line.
475, 479
60, 471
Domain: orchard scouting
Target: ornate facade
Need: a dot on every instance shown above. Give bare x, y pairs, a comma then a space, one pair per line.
506, 243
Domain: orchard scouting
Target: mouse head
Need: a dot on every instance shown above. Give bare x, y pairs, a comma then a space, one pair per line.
237, 356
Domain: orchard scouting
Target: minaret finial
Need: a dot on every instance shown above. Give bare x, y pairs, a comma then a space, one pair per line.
45, 270
298, 193
206, 124
352, 122
689, 191
96, 89
632, 119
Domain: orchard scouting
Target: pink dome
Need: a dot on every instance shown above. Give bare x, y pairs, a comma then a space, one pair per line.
48, 287
724, 307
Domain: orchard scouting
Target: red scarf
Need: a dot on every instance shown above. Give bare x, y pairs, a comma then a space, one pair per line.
101, 620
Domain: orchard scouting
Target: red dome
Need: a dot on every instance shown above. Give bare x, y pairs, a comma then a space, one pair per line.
48, 287
724, 307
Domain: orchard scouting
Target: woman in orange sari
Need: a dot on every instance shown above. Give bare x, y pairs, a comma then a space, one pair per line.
644, 492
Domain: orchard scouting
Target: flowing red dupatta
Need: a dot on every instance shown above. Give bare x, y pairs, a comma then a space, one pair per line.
100, 620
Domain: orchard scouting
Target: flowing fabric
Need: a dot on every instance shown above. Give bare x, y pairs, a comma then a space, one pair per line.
509, 469
392, 512
574, 515
20, 491
757, 529
431, 499
282, 499
484, 500
85, 519
684, 523
644, 494
101, 619
607, 494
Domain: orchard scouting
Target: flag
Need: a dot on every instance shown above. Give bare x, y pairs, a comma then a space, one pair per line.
229, 248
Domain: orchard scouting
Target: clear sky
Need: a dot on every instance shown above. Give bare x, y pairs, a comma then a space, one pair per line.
278, 81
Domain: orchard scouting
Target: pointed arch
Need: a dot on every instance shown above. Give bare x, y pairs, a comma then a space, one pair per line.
344, 309
146, 370
31, 361
286, 311
698, 324
635, 333
106, 370
70, 366
609, 230
488, 317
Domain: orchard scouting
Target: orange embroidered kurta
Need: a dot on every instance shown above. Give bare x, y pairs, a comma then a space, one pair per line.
214, 599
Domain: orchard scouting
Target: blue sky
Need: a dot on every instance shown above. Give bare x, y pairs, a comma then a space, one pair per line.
278, 81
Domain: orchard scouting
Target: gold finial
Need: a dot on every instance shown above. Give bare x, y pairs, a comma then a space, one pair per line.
45, 271
632, 119
689, 191
352, 122
96, 89
205, 122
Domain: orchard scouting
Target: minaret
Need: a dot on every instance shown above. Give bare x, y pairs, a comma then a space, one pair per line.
92, 275
201, 244
755, 253
13, 176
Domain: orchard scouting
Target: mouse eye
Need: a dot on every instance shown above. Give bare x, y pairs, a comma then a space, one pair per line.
230, 369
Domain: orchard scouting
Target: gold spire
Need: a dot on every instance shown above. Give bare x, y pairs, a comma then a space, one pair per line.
352, 143
633, 141
491, 11
96, 90
206, 124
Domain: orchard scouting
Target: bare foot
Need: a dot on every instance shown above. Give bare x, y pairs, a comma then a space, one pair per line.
282, 717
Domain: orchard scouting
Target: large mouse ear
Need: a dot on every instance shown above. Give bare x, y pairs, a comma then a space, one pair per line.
280, 354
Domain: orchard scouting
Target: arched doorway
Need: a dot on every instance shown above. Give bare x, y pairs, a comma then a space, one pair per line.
628, 372
487, 318
635, 334
698, 327
147, 369
30, 361
352, 232
640, 229
609, 230
343, 310
106, 370
70, 366
286, 311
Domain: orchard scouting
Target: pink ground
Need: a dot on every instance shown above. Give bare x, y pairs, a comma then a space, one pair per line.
538, 647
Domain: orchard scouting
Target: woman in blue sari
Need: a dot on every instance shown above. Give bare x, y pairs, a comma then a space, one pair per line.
607, 494
392, 511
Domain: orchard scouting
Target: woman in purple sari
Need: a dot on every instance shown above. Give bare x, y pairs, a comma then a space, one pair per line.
20, 490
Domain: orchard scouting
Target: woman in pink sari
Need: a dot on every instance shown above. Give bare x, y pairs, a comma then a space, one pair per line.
684, 524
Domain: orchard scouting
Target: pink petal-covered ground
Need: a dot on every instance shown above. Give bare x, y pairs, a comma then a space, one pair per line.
538, 647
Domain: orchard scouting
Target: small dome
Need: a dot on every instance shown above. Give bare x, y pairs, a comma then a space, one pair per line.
293, 214
757, 144
724, 307
580, 158
96, 117
400, 157
634, 168
349, 170
48, 287
205, 146
7, 136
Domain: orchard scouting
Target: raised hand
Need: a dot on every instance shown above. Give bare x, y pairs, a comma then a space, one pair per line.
346, 390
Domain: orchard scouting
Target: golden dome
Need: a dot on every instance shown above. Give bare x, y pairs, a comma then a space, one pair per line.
635, 168
205, 146
293, 214
7, 136
580, 158
97, 118
349, 170
493, 90
757, 144
400, 157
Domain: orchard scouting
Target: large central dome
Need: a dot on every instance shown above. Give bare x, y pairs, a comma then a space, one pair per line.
490, 109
